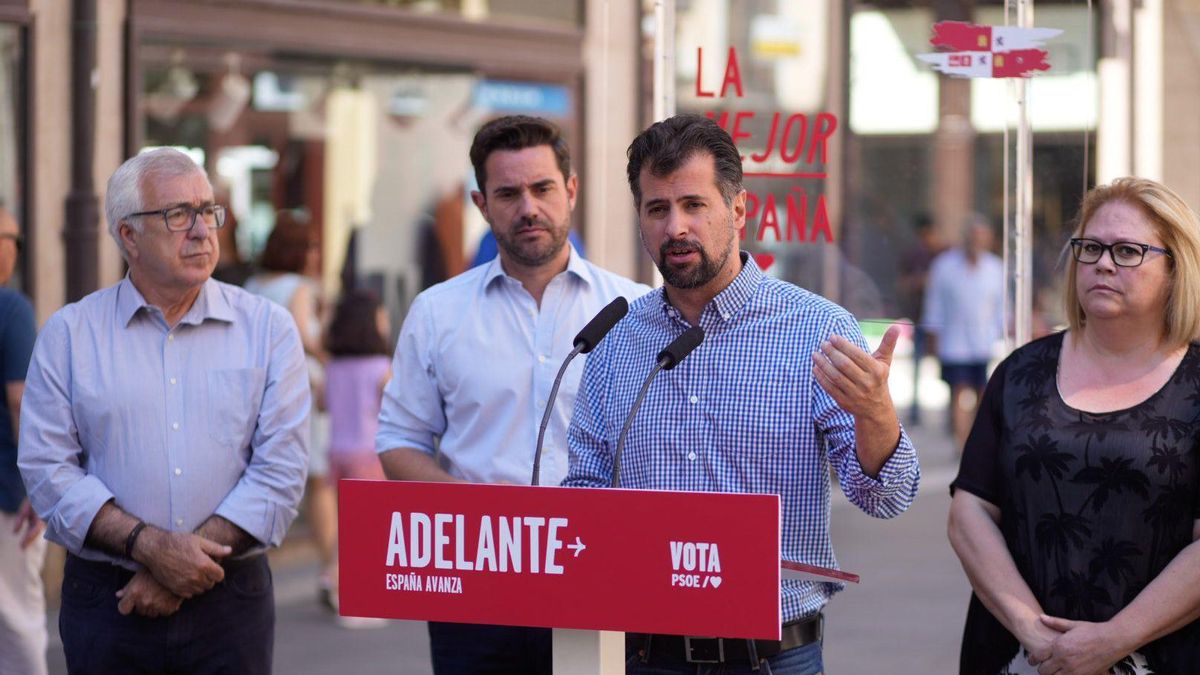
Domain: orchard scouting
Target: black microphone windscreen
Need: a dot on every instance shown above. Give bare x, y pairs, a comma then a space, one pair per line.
681, 347
599, 326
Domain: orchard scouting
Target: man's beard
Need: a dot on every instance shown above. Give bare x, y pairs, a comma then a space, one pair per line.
696, 275
533, 253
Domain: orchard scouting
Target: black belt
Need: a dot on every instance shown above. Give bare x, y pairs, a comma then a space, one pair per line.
675, 648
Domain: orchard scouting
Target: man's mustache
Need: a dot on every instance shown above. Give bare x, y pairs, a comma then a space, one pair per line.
678, 247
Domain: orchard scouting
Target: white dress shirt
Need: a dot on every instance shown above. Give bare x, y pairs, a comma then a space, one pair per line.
964, 306
475, 363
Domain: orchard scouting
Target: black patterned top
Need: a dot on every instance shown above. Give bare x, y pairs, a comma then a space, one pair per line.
1093, 505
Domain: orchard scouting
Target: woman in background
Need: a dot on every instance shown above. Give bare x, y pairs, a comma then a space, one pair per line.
359, 366
289, 277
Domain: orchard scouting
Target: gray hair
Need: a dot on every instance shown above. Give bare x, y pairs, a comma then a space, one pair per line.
124, 195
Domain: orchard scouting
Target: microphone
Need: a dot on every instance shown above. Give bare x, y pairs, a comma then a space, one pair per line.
667, 359
598, 327
584, 342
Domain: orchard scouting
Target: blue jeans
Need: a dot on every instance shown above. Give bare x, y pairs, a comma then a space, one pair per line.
476, 649
228, 629
804, 660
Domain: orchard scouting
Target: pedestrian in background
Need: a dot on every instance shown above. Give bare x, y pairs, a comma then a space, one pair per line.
22, 552
964, 317
163, 440
912, 282
289, 277
359, 367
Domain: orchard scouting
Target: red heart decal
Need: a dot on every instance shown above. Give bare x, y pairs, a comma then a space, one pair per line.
764, 260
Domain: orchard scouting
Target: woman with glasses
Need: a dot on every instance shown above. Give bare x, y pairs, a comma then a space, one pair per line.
1077, 505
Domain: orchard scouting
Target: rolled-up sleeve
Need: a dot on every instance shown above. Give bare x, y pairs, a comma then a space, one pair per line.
50, 454
265, 499
411, 414
891, 492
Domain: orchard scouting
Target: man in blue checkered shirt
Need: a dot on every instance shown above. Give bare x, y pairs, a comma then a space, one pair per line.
781, 389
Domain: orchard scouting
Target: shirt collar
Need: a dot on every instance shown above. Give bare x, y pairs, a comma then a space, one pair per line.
731, 299
210, 304
575, 266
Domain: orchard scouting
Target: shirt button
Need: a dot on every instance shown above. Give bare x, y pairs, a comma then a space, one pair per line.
170, 337
541, 358
179, 522
175, 426
694, 399
725, 316
178, 471
172, 380
692, 456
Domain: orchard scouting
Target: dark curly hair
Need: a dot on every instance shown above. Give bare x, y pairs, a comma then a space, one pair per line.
666, 145
517, 132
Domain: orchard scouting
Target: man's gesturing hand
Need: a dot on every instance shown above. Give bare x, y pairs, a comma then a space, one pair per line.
185, 563
858, 381
145, 596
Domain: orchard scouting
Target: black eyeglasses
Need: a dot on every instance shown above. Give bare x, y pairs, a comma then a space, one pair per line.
183, 218
17, 239
1123, 253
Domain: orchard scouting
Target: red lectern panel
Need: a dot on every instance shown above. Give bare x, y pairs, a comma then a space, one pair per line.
687, 563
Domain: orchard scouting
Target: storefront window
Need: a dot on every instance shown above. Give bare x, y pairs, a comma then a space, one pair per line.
11, 152
374, 155
849, 139
562, 12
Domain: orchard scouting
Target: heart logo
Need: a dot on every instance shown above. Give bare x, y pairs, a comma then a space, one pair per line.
764, 260
715, 582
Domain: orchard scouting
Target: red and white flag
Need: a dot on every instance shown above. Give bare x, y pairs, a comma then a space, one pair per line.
963, 36
988, 51
1016, 63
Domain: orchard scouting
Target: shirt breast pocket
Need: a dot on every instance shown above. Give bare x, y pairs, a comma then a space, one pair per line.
234, 399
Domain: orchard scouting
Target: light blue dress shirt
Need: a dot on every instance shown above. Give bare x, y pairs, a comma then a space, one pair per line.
175, 424
475, 363
742, 413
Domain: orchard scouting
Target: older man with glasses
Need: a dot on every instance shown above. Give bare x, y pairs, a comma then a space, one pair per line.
164, 441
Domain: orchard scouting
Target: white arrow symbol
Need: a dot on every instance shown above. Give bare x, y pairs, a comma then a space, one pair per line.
577, 547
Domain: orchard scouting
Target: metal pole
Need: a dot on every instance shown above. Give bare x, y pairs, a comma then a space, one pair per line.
1018, 202
664, 59
81, 231
1023, 314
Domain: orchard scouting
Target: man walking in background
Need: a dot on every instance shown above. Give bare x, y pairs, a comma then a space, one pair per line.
22, 551
964, 309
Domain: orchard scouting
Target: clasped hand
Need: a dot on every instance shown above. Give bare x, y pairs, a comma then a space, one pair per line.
175, 566
145, 596
183, 563
1066, 647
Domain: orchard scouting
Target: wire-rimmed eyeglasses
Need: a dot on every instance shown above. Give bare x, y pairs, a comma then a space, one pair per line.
183, 218
1123, 253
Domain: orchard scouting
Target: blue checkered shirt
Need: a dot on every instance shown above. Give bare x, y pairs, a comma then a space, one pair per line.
742, 413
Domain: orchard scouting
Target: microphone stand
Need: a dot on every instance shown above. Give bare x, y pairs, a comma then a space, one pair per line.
537, 456
637, 403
